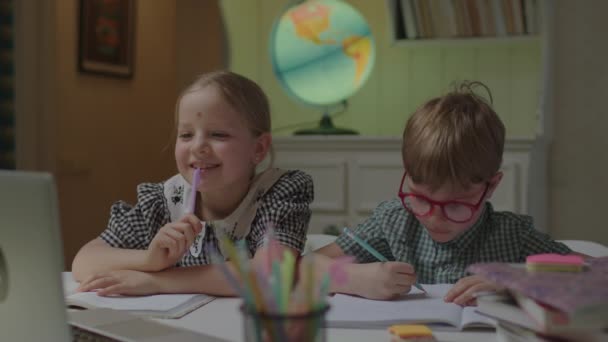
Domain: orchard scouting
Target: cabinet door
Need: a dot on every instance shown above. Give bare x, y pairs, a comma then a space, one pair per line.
375, 178
511, 192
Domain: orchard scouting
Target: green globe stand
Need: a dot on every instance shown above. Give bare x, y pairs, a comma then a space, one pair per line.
326, 127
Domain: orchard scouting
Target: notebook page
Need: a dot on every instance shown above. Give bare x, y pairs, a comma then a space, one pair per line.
155, 302
472, 319
415, 307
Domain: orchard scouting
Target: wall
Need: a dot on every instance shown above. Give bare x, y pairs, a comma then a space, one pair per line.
578, 162
102, 136
111, 133
403, 77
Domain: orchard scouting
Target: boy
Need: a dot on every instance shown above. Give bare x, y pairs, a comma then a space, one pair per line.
441, 223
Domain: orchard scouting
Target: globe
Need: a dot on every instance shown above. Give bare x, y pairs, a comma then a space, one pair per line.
322, 52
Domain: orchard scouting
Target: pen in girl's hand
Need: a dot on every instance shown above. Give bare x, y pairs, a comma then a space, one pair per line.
196, 180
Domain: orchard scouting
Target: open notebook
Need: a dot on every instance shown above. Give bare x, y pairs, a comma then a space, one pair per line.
416, 307
159, 306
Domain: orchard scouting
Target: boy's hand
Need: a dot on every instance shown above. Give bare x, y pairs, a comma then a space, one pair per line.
462, 293
171, 242
383, 280
123, 282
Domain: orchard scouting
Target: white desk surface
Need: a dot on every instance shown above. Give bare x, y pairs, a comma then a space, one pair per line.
222, 318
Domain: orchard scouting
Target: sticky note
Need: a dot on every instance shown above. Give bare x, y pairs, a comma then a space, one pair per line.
554, 263
411, 332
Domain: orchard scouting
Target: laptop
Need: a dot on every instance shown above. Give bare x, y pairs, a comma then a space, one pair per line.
32, 306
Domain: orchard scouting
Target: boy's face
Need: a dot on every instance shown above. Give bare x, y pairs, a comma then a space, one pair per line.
464, 206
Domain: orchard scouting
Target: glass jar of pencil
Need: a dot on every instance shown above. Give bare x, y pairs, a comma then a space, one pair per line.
284, 326
284, 299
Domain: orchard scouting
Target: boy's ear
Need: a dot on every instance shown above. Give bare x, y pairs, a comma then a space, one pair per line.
494, 183
262, 145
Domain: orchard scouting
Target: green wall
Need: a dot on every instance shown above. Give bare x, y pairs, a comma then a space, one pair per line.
404, 75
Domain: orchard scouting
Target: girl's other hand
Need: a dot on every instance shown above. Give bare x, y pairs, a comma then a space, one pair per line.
123, 282
172, 242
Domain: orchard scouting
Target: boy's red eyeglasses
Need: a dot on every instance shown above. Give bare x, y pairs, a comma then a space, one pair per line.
455, 211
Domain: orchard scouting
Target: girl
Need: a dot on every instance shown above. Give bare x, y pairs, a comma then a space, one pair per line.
223, 133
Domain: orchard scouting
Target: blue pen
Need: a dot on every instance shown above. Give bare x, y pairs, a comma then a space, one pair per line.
372, 251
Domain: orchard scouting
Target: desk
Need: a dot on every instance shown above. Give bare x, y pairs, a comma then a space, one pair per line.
222, 318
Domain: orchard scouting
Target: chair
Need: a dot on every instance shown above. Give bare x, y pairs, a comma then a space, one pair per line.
316, 241
589, 248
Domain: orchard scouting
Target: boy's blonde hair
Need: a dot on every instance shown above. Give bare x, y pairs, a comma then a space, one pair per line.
456, 139
244, 95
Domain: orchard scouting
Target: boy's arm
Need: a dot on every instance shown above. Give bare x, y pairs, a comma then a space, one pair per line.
376, 280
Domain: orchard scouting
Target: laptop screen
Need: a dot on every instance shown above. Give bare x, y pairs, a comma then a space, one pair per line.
32, 306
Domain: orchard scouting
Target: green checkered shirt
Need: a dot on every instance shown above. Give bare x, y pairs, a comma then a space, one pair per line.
496, 236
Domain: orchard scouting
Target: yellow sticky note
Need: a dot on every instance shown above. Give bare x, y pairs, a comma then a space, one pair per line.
405, 331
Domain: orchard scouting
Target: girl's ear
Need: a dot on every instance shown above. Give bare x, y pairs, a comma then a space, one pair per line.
262, 146
494, 182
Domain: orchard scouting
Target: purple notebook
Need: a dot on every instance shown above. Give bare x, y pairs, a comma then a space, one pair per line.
568, 292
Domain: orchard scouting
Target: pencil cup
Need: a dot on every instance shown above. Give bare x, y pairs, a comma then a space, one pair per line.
280, 327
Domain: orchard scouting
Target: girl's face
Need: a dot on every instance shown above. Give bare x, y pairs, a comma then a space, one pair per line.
214, 137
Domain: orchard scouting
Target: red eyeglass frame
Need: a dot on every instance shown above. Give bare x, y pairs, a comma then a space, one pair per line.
441, 204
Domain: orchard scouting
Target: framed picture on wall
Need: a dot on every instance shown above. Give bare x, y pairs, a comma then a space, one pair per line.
106, 37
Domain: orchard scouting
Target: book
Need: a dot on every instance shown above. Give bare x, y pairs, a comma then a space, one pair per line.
503, 307
158, 306
551, 320
515, 309
506, 332
578, 296
409, 19
415, 307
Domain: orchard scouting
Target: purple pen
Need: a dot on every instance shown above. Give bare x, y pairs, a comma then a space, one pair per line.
196, 180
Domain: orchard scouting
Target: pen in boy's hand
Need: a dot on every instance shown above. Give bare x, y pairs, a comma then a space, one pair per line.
365, 245
372, 251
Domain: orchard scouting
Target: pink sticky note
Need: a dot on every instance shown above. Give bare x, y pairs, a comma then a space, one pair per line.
555, 259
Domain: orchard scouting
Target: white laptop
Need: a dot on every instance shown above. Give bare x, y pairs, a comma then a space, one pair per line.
32, 306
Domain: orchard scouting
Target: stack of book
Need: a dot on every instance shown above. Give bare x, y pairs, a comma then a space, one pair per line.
547, 306
430, 19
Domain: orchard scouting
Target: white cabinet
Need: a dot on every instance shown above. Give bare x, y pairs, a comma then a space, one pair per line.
353, 174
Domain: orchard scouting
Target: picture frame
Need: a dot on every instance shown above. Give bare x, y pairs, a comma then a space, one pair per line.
106, 37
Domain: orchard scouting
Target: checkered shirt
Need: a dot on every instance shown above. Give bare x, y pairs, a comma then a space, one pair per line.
286, 204
495, 237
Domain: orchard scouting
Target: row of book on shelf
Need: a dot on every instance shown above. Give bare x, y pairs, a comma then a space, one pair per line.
547, 306
431, 19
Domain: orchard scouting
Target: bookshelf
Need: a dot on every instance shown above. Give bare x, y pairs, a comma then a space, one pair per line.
463, 21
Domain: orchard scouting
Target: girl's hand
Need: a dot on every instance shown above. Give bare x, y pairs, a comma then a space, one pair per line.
172, 242
462, 293
123, 282
382, 280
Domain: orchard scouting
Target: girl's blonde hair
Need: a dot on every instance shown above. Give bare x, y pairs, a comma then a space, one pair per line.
455, 139
243, 94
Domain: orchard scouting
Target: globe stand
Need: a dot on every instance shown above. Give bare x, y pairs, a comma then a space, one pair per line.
326, 127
